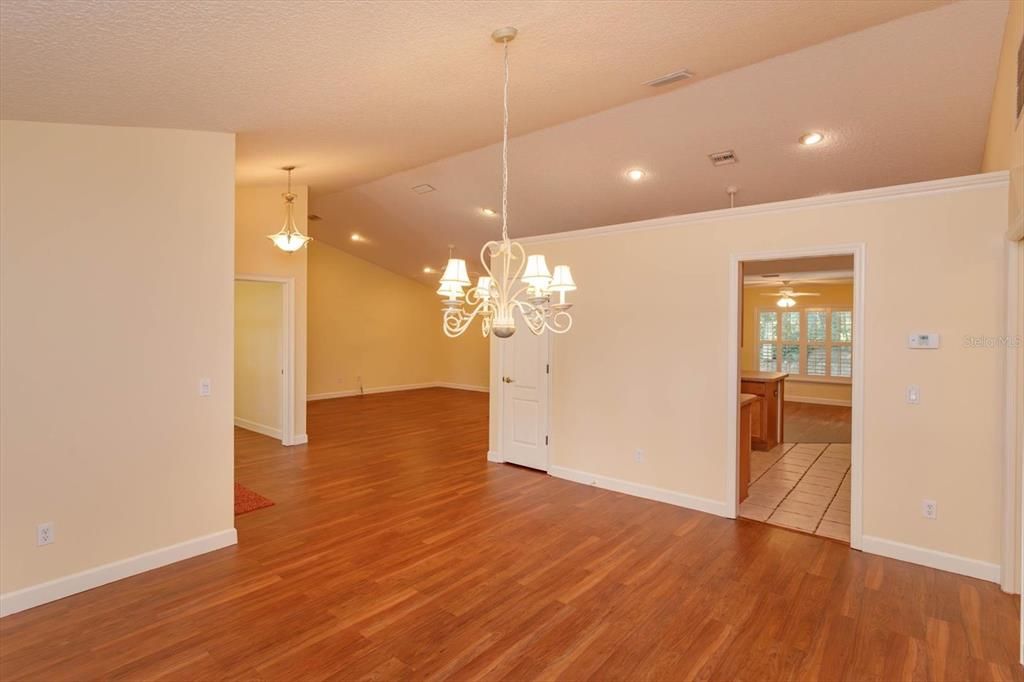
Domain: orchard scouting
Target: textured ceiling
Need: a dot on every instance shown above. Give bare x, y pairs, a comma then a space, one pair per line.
902, 102
353, 91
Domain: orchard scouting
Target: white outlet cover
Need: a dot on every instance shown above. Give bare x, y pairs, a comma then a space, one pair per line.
44, 534
929, 509
914, 395
204, 387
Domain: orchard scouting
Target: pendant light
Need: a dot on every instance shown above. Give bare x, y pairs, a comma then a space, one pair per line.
289, 239
523, 283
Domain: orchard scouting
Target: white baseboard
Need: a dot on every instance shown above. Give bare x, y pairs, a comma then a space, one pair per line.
493, 456
256, 427
818, 401
300, 439
26, 598
641, 490
391, 389
931, 558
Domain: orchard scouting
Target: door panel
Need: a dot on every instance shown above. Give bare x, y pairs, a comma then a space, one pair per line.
525, 400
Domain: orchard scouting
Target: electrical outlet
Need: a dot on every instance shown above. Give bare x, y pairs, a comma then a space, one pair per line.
44, 533
204, 387
913, 395
639, 456
929, 509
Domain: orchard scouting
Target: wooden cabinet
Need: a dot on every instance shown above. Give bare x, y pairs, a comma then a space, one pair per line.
766, 419
748, 406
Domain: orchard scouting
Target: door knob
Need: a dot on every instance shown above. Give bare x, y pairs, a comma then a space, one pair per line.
508, 380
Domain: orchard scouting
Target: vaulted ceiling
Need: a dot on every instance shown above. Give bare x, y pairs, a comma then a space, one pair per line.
372, 98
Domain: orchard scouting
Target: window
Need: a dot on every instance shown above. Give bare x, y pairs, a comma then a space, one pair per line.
811, 342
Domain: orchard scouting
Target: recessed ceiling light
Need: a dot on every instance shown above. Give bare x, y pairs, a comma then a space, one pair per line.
423, 189
429, 270
808, 139
635, 174
489, 212
358, 237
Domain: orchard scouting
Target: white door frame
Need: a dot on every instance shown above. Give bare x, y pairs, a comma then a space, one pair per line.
288, 340
732, 393
497, 407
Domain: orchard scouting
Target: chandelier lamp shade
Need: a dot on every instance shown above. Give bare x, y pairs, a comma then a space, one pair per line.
518, 282
288, 238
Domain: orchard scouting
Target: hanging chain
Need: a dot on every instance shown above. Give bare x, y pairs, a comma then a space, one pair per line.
504, 159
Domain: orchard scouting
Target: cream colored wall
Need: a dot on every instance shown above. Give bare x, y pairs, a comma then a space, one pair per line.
259, 344
259, 211
829, 295
116, 299
1004, 147
369, 325
645, 368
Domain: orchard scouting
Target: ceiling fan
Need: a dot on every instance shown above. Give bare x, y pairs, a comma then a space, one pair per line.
787, 297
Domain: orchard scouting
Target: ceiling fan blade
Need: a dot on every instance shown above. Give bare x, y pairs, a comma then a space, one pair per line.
800, 294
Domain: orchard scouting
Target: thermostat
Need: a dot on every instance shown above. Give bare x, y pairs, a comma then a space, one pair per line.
923, 340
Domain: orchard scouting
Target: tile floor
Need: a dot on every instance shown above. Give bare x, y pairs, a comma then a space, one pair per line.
804, 486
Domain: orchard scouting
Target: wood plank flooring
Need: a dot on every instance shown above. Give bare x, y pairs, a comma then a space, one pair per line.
395, 551
809, 423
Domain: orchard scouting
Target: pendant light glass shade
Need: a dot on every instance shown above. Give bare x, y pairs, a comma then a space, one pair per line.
786, 302
288, 238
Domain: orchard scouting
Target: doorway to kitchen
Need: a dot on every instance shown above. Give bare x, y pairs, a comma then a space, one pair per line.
798, 363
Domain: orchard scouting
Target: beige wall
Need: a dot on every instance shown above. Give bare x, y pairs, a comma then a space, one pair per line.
115, 291
1004, 148
259, 211
259, 360
829, 295
935, 261
369, 325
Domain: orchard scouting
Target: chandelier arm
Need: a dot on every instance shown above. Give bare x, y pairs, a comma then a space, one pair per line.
512, 247
457, 320
531, 314
559, 323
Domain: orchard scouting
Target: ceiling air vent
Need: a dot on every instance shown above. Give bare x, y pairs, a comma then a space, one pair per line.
723, 158
669, 78
424, 189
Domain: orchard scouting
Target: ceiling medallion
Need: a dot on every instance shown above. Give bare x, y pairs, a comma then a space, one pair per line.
519, 282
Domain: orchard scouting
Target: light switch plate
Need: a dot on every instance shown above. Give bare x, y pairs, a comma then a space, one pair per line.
914, 395
923, 340
204, 387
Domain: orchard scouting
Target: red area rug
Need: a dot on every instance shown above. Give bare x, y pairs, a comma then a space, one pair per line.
247, 500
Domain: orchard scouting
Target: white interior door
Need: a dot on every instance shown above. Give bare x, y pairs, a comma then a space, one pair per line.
524, 384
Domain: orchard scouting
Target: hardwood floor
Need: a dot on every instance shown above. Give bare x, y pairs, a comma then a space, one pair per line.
395, 551
807, 423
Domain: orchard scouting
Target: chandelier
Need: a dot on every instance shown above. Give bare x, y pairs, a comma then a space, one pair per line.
521, 283
288, 238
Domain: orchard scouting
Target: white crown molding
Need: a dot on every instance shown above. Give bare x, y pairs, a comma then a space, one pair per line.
648, 492
932, 558
19, 600
980, 180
